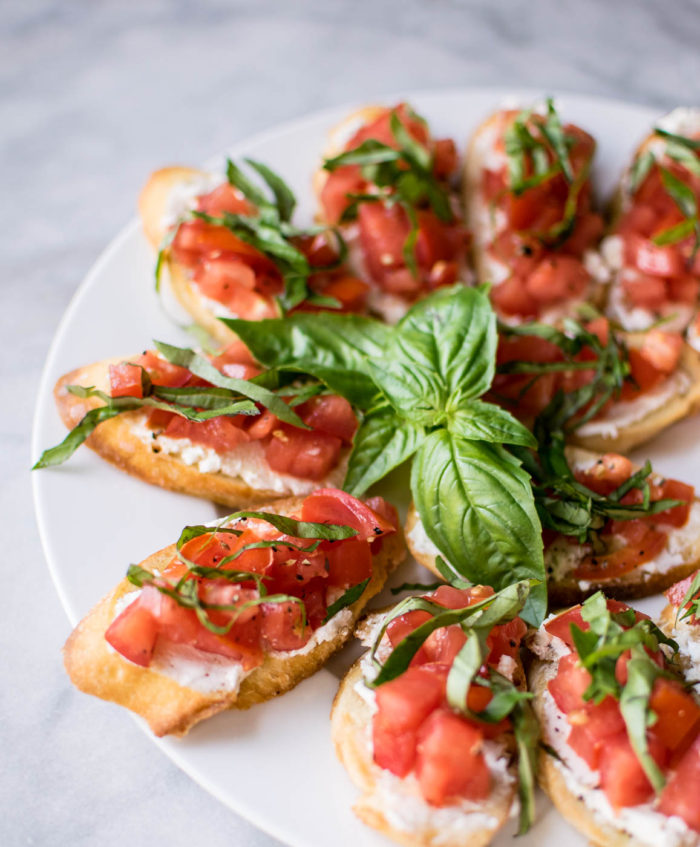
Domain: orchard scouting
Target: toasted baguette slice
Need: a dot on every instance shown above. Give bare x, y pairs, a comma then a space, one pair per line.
586, 807
387, 804
171, 708
674, 400
117, 442
681, 557
154, 203
482, 155
677, 316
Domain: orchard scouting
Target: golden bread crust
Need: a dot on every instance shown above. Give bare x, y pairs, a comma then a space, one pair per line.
115, 441
170, 708
350, 719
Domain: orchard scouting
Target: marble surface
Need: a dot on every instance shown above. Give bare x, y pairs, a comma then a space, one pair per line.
92, 97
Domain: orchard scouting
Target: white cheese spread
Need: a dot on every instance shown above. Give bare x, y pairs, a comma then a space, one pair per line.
246, 462
183, 196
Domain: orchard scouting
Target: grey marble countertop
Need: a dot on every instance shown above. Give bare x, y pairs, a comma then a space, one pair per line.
96, 94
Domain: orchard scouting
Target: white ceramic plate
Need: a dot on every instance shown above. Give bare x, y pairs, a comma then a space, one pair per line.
265, 763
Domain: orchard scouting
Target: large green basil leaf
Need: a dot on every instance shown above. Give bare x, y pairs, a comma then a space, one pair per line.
453, 334
481, 421
335, 349
477, 506
382, 443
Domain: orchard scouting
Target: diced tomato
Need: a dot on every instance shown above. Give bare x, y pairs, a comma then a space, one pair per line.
445, 157
560, 626
197, 238
538, 208
678, 716
125, 380
662, 350
262, 425
393, 750
677, 592
621, 775
504, 640
349, 563
648, 292
331, 414
282, 627
651, 259
646, 546
638, 219
406, 701
684, 289
443, 644
349, 291
680, 796
330, 505
449, 762
162, 372
209, 549
224, 198
232, 282
383, 231
557, 278
236, 361
672, 489
607, 473
221, 433
302, 453
593, 727
334, 194
459, 598
133, 633
568, 685
587, 231
511, 297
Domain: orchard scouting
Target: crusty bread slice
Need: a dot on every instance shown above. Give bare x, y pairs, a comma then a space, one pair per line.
477, 215
567, 590
116, 442
153, 203
551, 779
351, 719
679, 406
170, 708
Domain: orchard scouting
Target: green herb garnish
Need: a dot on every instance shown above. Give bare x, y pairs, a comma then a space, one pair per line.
477, 622
400, 175
608, 637
419, 385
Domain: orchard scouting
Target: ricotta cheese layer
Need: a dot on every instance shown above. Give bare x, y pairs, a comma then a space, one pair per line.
246, 462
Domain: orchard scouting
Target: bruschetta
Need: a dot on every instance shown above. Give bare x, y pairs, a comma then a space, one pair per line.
637, 383
131, 413
412, 727
628, 548
222, 259
236, 613
652, 243
386, 182
620, 731
527, 194
680, 620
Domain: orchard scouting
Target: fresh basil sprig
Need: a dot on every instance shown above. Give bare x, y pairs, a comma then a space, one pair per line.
419, 384
568, 411
537, 149
608, 637
400, 174
569, 507
684, 197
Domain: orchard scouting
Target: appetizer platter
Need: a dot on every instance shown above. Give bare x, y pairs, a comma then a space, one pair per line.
460, 325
